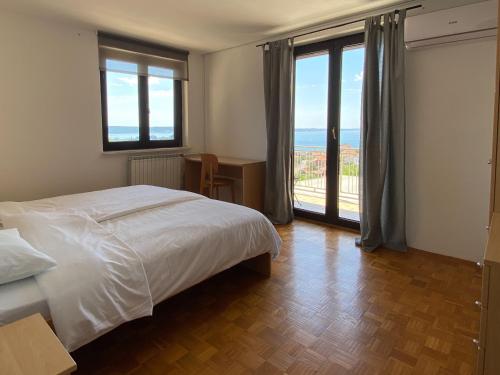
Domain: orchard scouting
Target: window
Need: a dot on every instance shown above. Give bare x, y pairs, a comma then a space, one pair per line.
141, 94
327, 146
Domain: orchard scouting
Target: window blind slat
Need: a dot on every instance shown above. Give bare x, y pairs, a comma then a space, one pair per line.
123, 55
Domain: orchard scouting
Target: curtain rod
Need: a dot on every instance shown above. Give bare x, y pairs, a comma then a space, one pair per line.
335, 26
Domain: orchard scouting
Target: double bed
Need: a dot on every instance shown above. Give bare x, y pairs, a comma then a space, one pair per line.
121, 251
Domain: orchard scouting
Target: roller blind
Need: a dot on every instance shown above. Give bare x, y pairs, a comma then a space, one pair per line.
125, 55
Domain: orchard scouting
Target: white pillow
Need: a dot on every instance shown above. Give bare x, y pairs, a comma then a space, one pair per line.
18, 259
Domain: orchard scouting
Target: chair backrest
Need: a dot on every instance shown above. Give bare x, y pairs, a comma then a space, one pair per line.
209, 167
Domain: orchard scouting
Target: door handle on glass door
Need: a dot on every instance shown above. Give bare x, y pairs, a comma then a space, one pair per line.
334, 133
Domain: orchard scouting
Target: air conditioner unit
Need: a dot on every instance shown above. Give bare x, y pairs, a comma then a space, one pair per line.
474, 21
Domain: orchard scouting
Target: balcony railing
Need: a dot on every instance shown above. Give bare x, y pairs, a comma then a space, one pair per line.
310, 167
310, 178
349, 170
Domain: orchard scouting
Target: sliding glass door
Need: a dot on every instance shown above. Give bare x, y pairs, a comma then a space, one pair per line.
328, 82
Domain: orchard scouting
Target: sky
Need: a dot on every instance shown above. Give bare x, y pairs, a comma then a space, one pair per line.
123, 106
310, 100
311, 90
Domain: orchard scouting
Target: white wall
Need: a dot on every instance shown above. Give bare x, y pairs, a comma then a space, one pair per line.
194, 127
234, 93
50, 119
450, 108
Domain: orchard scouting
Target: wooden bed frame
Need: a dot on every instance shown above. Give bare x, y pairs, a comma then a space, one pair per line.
260, 264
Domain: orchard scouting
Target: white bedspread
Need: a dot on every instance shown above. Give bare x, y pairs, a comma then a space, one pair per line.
119, 250
102, 205
99, 282
183, 244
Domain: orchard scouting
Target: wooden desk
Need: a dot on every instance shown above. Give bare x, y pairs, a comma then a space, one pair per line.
249, 176
28, 346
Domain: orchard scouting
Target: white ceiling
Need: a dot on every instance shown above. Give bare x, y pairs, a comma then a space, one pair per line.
203, 25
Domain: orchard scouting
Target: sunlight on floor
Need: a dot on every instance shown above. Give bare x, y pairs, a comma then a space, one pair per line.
348, 209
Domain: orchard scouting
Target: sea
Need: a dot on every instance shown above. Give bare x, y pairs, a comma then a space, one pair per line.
303, 137
131, 133
317, 137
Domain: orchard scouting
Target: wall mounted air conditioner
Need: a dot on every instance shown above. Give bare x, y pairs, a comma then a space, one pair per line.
474, 21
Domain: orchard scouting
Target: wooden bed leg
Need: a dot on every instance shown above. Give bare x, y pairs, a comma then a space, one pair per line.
260, 264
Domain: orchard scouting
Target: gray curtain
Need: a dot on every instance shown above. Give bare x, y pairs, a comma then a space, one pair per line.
383, 138
278, 89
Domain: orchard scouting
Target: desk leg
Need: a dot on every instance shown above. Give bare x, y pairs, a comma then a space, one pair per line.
253, 186
192, 176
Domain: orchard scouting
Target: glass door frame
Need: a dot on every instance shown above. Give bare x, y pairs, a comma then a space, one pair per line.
334, 48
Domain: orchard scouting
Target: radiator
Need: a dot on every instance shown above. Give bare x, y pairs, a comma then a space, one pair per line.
166, 170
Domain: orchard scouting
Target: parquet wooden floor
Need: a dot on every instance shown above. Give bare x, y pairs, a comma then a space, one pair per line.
327, 309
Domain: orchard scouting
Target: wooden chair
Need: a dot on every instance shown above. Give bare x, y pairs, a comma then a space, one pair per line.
209, 180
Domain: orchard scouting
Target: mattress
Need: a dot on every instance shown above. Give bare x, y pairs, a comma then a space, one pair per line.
178, 238
170, 269
20, 299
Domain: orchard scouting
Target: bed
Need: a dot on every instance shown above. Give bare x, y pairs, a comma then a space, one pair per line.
121, 251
